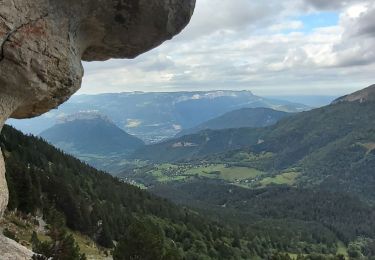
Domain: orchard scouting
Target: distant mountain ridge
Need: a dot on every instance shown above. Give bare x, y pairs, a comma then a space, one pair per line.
332, 147
160, 115
244, 117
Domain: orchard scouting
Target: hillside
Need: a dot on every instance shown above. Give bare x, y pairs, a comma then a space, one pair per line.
47, 183
291, 138
333, 147
43, 180
245, 117
156, 116
91, 136
309, 169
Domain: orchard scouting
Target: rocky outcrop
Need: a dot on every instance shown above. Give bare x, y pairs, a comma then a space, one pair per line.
364, 95
42, 43
10, 250
7, 105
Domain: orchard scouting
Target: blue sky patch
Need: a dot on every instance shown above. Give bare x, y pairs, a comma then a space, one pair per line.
317, 20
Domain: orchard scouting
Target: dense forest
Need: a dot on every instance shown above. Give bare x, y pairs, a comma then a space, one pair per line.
42, 178
310, 176
72, 194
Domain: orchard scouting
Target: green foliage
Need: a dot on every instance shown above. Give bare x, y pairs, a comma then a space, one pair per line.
283, 218
10, 234
62, 246
94, 203
105, 238
144, 239
362, 248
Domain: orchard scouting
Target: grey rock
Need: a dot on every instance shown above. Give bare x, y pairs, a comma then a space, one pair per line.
10, 250
363, 95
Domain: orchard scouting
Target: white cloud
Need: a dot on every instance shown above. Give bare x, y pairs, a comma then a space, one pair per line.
257, 45
287, 25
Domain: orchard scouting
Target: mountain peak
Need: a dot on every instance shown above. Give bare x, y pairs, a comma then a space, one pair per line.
88, 135
364, 95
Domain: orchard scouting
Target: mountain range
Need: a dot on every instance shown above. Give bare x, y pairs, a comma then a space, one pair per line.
332, 146
157, 116
290, 139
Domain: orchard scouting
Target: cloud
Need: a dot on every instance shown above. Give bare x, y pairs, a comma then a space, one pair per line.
358, 39
330, 4
264, 46
213, 16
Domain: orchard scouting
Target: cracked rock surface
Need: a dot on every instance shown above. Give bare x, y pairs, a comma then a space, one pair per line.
42, 43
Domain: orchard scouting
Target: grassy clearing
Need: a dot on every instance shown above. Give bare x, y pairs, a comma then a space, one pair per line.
89, 248
171, 172
164, 178
220, 171
342, 250
239, 173
207, 171
288, 178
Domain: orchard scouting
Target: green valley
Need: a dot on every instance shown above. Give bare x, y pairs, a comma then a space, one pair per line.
87, 211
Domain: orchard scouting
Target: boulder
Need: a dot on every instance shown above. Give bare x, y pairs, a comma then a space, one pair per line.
10, 250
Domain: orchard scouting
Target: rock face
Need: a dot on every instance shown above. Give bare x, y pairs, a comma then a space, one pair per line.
364, 95
42, 43
10, 250
7, 105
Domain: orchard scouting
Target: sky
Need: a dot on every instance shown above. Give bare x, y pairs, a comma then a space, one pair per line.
273, 47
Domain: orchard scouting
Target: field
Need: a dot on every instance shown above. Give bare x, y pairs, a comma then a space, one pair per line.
246, 177
342, 250
231, 174
288, 178
236, 175
241, 176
